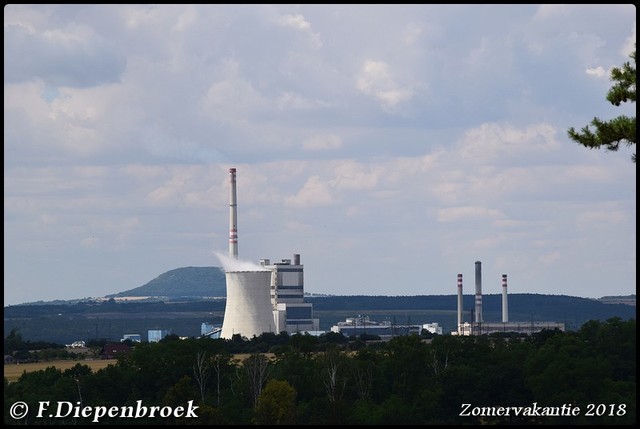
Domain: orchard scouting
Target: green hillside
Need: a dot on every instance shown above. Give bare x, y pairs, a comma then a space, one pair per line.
183, 282
65, 323
186, 297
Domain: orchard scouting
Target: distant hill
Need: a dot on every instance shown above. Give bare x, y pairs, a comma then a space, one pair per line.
523, 307
622, 299
207, 282
184, 298
111, 319
182, 282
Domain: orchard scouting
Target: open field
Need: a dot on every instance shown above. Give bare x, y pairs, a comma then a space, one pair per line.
13, 371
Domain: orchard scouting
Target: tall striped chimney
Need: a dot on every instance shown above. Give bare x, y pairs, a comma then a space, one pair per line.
459, 300
233, 216
478, 312
505, 308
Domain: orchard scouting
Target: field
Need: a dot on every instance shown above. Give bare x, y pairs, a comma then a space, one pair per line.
13, 371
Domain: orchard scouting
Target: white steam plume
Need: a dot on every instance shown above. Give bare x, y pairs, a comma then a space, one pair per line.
232, 264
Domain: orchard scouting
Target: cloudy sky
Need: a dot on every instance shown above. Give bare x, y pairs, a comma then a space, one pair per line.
391, 146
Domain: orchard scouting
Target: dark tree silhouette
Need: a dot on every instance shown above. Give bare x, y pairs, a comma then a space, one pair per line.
610, 134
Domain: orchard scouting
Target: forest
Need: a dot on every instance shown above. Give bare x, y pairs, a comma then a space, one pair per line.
331, 379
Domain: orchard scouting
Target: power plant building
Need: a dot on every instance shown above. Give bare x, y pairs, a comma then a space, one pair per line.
479, 327
519, 327
355, 326
291, 313
269, 299
136, 338
155, 335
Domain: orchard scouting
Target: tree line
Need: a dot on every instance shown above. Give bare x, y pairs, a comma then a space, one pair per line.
331, 379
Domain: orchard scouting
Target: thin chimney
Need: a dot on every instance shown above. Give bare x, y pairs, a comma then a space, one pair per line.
505, 308
233, 216
459, 300
478, 292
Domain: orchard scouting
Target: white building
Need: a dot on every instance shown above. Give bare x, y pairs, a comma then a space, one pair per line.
433, 328
290, 312
528, 328
266, 300
155, 335
355, 326
136, 338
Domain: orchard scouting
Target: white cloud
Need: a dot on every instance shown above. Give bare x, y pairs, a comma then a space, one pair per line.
353, 176
289, 100
72, 56
186, 19
90, 241
299, 23
630, 43
456, 214
322, 142
186, 186
546, 11
232, 101
601, 219
491, 141
122, 122
411, 33
314, 193
550, 259
375, 79
597, 72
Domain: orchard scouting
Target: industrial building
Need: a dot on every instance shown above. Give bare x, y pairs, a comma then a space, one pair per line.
205, 328
356, 326
432, 328
136, 338
479, 327
155, 335
268, 299
518, 327
271, 299
291, 313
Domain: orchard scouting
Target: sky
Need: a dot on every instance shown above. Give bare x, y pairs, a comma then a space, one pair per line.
391, 146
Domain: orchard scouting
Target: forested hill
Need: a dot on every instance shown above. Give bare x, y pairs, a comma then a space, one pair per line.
65, 323
186, 297
522, 306
199, 282
183, 282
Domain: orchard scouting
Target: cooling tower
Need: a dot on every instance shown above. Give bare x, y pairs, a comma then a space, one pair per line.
478, 314
248, 310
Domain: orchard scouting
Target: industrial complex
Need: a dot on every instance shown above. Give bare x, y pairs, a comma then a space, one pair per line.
269, 299
477, 326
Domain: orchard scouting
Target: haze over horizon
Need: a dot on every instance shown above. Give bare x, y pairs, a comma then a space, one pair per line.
390, 146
